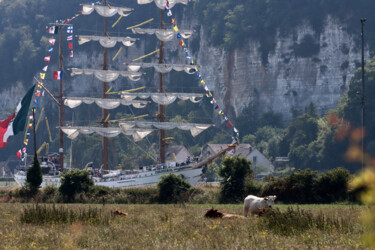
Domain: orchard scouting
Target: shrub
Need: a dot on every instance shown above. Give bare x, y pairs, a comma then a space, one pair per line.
34, 176
74, 182
297, 187
253, 187
235, 171
333, 185
173, 189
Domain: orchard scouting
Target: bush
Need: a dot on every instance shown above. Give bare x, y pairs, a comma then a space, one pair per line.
253, 187
235, 171
306, 186
332, 186
173, 189
74, 182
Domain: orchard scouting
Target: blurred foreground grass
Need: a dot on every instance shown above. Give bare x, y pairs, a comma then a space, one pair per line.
174, 227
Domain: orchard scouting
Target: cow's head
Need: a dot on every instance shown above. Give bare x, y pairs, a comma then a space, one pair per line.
270, 200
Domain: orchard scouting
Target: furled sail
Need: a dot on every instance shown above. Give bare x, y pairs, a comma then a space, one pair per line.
107, 75
162, 3
164, 67
163, 35
106, 41
163, 98
105, 11
195, 129
73, 102
137, 133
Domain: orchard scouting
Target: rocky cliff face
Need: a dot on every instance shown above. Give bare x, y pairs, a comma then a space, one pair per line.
304, 67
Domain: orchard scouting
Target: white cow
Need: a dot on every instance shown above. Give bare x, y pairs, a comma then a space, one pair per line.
257, 204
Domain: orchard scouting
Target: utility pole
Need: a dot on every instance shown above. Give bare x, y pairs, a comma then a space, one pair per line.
363, 20
162, 116
104, 111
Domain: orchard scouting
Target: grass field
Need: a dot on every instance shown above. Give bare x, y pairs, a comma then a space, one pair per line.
176, 227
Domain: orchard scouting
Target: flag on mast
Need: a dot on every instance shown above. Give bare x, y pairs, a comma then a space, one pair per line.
16, 122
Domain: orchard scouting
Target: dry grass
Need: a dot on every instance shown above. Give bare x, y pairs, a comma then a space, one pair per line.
173, 227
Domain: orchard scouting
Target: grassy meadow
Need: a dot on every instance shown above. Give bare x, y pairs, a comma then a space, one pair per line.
179, 227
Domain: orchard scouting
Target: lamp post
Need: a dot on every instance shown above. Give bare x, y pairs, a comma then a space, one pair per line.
363, 20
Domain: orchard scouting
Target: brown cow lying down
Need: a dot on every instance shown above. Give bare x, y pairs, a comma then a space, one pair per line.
117, 212
213, 213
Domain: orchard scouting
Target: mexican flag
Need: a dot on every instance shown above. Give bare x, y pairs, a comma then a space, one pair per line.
16, 122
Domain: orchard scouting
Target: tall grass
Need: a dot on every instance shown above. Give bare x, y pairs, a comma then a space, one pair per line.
293, 221
46, 214
170, 227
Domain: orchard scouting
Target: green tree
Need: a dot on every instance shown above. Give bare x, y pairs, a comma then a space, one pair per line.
211, 172
34, 176
173, 189
74, 182
234, 171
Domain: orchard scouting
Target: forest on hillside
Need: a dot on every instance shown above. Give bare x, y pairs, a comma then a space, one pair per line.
310, 141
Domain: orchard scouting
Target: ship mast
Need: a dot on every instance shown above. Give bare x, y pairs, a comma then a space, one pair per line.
104, 111
162, 111
61, 101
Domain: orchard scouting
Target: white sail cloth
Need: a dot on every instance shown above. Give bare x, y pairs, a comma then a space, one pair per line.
163, 35
162, 3
163, 67
73, 102
107, 42
163, 98
105, 11
107, 75
138, 134
195, 129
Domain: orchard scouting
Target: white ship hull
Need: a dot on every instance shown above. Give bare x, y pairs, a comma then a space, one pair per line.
143, 179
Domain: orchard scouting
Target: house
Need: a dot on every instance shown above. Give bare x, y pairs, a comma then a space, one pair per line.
177, 154
242, 150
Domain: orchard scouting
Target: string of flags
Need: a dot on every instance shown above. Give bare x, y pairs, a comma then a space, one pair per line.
224, 117
52, 30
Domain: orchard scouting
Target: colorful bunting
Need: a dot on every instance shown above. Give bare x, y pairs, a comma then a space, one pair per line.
69, 38
188, 56
51, 40
42, 76
69, 30
47, 58
45, 68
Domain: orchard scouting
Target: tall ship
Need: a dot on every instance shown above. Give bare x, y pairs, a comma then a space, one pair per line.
138, 128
